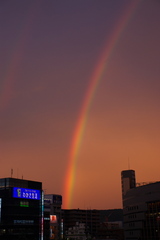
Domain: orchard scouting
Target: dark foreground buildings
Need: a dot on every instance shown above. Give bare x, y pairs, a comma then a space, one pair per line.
27, 214
21, 209
141, 208
52, 217
80, 224
90, 219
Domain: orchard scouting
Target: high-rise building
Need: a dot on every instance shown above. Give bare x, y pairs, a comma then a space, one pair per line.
128, 180
141, 208
21, 209
52, 208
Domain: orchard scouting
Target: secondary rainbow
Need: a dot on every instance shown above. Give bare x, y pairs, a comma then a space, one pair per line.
97, 75
7, 91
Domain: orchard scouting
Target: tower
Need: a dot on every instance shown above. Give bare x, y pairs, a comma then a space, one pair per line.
128, 181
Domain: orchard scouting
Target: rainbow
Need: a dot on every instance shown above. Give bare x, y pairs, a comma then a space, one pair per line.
84, 112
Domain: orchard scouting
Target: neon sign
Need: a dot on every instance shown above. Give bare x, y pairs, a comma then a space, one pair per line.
26, 193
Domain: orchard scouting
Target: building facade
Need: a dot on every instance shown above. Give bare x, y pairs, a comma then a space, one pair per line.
21, 209
89, 218
141, 208
52, 209
78, 232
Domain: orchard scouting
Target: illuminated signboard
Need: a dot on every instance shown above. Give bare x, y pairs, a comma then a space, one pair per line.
26, 193
53, 219
28, 222
24, 204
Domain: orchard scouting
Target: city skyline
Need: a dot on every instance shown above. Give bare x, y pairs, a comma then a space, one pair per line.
79, 96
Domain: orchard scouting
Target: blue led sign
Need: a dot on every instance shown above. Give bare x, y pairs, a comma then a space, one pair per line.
26, 193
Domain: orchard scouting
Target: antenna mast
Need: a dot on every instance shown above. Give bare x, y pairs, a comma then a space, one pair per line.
128, 164
11, 172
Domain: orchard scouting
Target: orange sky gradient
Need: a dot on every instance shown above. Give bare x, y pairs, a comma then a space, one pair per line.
42, 95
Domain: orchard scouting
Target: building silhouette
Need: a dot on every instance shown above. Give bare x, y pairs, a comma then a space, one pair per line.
128, 181
21, 209
90, 218
53, 220
141, 208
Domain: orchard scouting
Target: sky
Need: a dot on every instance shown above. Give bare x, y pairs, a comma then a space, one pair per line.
51, 52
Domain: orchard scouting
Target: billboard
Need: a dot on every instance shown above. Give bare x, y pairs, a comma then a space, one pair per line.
26, 193
53, 219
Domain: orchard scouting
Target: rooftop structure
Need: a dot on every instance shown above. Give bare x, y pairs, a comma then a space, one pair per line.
141, 210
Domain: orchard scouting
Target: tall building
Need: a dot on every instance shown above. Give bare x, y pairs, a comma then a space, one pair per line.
52, 208
128, 180
141, 208
21, 209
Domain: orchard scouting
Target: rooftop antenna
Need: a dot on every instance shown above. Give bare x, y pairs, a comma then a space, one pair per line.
128, 164
11, 172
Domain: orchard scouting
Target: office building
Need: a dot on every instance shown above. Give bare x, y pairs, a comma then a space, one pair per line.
128, 181
78, 232
53, 220
73, 217
141, 208
21, 209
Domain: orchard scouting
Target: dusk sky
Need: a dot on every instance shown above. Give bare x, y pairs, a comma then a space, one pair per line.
49, 53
